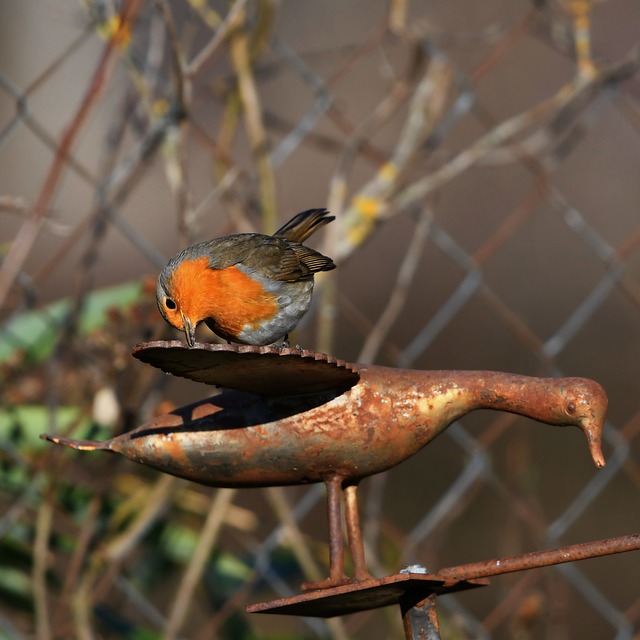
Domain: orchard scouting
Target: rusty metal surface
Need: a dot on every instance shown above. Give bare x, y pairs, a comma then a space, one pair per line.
270, 371
536, 559
336, 435
414, 591
420, 620
365, 595
239, 439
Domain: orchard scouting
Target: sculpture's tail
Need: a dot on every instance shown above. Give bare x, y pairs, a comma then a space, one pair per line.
81, 445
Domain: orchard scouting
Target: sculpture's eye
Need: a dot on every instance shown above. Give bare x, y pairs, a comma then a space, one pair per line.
170, 304
571, 407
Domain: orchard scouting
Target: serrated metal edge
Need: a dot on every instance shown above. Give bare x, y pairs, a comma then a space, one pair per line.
246, 348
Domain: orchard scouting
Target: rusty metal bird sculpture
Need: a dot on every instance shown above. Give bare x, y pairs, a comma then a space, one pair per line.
297, 417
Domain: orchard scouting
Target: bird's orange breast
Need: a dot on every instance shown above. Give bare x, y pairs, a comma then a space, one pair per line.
229, 296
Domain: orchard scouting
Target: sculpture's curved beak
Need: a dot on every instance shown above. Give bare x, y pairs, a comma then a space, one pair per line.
593, 431
594, 420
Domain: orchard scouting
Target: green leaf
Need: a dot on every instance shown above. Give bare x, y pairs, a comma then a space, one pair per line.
36, 331
27, 422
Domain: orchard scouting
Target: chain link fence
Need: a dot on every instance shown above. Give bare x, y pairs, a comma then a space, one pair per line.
482, 163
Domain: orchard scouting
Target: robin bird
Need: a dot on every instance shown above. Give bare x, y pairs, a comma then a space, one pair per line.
249, 288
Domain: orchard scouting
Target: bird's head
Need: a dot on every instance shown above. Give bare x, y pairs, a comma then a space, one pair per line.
180, 296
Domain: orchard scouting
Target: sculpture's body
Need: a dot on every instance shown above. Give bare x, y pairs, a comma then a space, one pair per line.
244, 440
240, 439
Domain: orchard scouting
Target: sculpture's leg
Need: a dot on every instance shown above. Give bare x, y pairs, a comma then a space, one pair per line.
336, 544
354, 533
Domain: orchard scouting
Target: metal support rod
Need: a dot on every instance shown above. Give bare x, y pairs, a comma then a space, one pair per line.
420, 619
336, 544
536, 559
356, 545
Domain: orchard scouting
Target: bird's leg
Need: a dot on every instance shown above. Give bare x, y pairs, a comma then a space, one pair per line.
337, 576
354, 533
282, 343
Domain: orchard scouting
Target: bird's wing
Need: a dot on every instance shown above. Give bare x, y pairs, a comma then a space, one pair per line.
272, 257
309, 259
280, 259
231, 250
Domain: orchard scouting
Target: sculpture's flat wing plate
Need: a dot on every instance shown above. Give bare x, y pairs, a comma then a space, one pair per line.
267, 371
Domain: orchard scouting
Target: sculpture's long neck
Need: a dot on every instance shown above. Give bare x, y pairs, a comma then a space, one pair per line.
456, 393
444, 396
535, 398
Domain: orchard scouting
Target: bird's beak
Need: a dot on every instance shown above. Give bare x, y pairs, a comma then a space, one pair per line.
189, 330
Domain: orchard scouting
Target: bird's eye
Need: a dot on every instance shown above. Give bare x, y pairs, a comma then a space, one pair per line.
170, 304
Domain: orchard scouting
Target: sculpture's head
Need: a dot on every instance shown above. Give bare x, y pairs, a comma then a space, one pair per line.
583, 403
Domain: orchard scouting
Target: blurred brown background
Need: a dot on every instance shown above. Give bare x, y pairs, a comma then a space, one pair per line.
482, 161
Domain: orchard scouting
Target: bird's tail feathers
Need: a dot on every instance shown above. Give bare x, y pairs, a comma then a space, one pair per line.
302, 225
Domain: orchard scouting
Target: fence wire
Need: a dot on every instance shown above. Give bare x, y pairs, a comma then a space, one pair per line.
481, 160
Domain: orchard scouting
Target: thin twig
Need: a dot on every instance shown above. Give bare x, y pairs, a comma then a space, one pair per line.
291, 532
368, 205
81, 551
256, 131
40, 566
156, 502
24, 240
206, 53
400, 292
175, 142
365, 210
197, 563
494, 138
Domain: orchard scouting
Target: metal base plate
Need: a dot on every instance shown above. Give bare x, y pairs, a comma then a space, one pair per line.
365, 595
